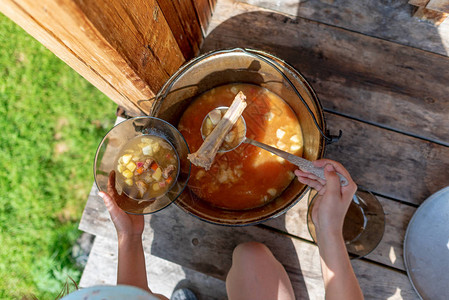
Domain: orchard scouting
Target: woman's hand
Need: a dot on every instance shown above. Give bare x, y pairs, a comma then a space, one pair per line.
127, 225
328, 215
333, 200
131, 259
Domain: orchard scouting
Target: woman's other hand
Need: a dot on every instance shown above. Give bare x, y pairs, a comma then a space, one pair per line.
126, 224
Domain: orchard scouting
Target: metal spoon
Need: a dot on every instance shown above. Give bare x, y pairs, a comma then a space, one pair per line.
304, 164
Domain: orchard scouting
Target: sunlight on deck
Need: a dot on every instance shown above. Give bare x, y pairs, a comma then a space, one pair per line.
396, 295
392, 255
443, 31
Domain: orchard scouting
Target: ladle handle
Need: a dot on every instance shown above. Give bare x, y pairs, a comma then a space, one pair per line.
304, 164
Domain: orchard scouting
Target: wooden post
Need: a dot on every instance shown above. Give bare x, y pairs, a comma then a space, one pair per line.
127, 49
433, 11
204, 11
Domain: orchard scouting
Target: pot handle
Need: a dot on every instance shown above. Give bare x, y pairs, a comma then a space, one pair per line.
329, 138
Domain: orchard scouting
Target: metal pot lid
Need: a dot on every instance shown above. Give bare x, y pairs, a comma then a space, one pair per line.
426, 247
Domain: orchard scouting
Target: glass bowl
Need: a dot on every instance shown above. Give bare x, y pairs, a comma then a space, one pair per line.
364, 223
109, 148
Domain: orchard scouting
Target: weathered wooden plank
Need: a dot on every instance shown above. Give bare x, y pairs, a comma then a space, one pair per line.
95, 219
390, 163
163, 275
190, 23
422, 3
140, 33
389, 20
438, 5
204, 12
212, 4
429, 15
390, 249
367, 78
184, 25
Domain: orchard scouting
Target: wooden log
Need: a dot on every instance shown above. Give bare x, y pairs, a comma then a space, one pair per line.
127, 49
139, 31
384, 83
389, 20
181, 17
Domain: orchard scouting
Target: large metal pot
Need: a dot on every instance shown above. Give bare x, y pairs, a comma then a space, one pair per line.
244, 66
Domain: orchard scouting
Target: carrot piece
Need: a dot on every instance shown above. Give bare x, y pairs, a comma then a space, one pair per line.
169, 180
154, 166
139, 170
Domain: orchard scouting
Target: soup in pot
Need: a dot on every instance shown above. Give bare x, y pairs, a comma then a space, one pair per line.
248, 176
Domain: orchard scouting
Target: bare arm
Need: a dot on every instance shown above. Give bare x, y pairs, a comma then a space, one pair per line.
339, 278
131, 259
328, 216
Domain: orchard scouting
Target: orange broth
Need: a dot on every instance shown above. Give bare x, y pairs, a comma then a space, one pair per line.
248, 176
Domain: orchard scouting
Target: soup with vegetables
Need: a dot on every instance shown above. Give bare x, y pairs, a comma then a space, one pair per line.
147, 167
246, 177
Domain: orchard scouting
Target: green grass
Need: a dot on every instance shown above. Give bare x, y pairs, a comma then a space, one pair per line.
51, 121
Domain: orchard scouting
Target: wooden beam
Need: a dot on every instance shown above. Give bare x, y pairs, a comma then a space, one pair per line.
127, 49
184, 23
204, 12
429, 15
439, 5
81, 56
422, 3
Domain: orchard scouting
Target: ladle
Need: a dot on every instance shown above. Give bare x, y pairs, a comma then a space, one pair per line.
304, 164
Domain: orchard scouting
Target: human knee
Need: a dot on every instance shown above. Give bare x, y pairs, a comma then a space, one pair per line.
251, 250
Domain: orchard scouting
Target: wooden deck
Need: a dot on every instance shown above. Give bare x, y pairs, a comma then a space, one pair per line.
383, 81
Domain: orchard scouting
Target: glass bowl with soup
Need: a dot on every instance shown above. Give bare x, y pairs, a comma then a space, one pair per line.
149, 158
247, 185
